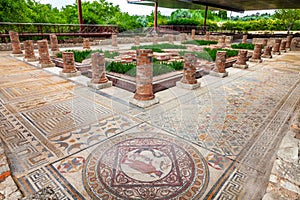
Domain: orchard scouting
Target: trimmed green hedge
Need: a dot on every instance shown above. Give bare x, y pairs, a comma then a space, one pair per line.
243, 46
200, 42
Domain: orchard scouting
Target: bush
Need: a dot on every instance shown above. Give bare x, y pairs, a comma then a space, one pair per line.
243, 46
200, 42
183, 21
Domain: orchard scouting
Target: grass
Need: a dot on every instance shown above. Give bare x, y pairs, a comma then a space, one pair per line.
210, 54
159, 47
79, 56
130, 68
200, 42
243, 46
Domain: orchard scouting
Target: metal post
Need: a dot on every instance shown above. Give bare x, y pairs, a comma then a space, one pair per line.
155, 15
205, 17
80, 14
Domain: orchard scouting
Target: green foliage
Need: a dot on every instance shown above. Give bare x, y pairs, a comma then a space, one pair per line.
243, 46
288, 16
200, 42
183, 21
159, 47
180, 13
79, 56
118, 67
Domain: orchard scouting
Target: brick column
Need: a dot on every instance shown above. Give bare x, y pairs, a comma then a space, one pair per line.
267, 52
29, 51
171, 39
144, 96
241, 61
99, 79
193, 34
189, 80
288, 42
54, 45
244, 40
207, 36
283, 46
265, 42
86, 43
256, 57
155, 40
220, 63
114, 40
137, 41
44, 54
276, 47
69, 69
15, 43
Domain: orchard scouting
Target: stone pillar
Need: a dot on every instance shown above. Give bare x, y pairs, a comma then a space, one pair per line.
220, 63
54, 45
69, 69
267, 52
244, 40
228, 40
182, 37
155, 40
256, 57
137, 41
45, 60
193, 34
207, 36
99, 79
86, 43
144, 96
29, 51
222, 41
276, 47
265, 42
171, 39
241, 61
114, 40
288, 42
15, 44
189, 80
283, 46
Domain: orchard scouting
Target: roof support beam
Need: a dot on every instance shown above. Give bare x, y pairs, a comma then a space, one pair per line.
204, 2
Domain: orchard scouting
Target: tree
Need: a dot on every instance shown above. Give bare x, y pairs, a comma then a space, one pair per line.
13, 11
288, 16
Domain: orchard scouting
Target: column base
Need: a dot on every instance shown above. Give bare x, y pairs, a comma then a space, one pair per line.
46, 65
69, 75
188, 86
30, 59
240, 66
17, 55
255, 60
100, 85
217, 74
143, 104
53, 53
276, 53
270, 56
282, 51
85, 48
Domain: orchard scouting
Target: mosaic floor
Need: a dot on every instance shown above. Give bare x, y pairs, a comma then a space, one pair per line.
216, 142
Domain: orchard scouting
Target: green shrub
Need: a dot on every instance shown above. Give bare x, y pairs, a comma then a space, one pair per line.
243, 46
183, 21
200, 42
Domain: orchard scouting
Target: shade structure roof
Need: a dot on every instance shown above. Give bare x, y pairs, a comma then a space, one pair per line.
232, 5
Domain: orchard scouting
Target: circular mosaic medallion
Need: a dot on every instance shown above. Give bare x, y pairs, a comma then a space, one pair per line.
145, 166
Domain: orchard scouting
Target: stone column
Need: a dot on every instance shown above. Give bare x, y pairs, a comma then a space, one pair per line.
241, 61
29, 51
54, 45
283, 46
189, 80
69, 69
220, 63
207, 36
155, 40
99, 79
171, 39
182, 37
276, 47
86, 43
114, 40
256, 57
45, 60
244, 40
137, 41
193, 34
15, 44
265, 42
144, 96
222, 41
267, 52
288, 42
228, 40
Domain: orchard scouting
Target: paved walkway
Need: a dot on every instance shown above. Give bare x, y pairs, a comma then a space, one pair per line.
216, 142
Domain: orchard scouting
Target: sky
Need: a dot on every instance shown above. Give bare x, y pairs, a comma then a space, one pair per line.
138, 9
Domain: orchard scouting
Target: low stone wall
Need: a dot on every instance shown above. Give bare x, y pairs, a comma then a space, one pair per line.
271, 41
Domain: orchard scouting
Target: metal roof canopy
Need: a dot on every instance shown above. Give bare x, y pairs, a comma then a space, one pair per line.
231, 5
